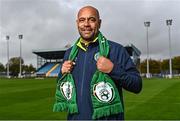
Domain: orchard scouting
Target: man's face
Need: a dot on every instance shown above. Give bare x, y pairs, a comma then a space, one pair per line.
88, 23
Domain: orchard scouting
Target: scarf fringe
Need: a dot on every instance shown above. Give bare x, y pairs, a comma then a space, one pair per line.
73, 108
107, 110
61, 106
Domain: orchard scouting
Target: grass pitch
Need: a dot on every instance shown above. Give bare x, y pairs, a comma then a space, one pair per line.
33, 99
28, 99
159, 100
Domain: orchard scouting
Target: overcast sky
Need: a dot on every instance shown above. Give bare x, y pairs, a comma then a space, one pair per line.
50, 24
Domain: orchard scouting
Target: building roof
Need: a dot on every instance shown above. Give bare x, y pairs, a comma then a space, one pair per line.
131, 48
59, 53
51, 54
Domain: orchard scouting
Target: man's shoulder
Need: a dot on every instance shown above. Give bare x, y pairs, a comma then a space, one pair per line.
69, 50
114, 44
117, 51
116, 48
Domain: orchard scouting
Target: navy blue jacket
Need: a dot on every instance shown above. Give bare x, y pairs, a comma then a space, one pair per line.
124, 74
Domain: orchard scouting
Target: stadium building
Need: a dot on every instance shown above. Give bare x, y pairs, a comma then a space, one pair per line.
49, 61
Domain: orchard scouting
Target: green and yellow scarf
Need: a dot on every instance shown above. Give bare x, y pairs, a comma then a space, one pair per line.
104, 94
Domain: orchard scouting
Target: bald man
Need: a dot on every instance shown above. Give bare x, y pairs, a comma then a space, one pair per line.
89, 58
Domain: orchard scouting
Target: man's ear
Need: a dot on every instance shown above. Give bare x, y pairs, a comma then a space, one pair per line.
99, 23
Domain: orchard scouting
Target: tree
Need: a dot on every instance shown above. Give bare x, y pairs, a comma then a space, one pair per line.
143, 66
29, 68
154, 66
165, 65
32, 68
2, 68
176, 63
14, 65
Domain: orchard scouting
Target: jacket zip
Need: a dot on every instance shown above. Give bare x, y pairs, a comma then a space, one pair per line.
84, 67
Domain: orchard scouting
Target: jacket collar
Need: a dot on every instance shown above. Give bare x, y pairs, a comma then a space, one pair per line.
84, 45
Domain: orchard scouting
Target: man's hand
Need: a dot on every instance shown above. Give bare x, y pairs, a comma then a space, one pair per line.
67, 66
104, 65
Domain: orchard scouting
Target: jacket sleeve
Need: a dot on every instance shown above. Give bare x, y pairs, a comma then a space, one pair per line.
125, 72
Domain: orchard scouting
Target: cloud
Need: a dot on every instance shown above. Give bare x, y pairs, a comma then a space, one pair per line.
49, 24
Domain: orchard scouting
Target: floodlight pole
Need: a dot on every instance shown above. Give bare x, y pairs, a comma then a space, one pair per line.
7, 38
169, 23
20, 63
147, 24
